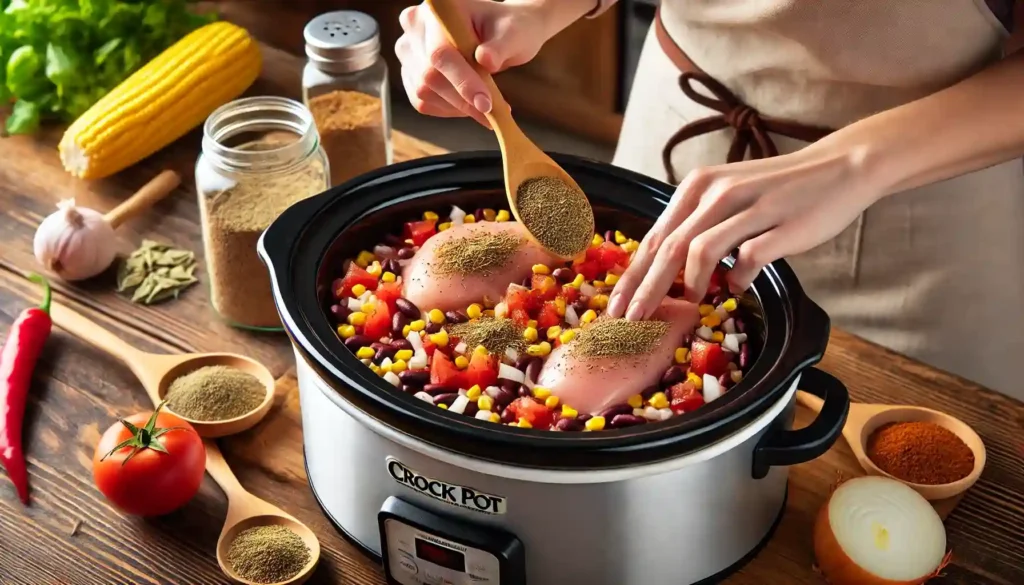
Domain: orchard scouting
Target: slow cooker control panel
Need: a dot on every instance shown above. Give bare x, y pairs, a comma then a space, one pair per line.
422, 548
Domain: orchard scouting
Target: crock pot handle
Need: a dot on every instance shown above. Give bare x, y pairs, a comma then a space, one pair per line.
788, 447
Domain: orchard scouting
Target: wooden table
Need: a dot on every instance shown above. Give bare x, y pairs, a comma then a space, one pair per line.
70, 535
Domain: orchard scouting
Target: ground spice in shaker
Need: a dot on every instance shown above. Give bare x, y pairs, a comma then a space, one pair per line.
920, 452
351, 126
618, 337
557, 214
215, 393
268, 554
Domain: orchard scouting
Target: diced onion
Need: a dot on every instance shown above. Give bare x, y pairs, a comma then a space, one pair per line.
722, 313
415, 341
459, 406
874, 530
354, 304
366, 362
418, 361
666, 413
461, 347
386, 363
588, 290
731, 343
424, 397
507, 372
457, 215
712, 389
392, 378
741, 337
511, 354
704, 332
729, 325
483, 415
571, 317
652, 414
492, 391
638, 412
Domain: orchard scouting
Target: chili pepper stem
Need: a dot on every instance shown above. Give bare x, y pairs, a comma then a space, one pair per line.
47, 292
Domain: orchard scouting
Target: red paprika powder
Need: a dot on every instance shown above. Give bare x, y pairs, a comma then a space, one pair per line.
920, 452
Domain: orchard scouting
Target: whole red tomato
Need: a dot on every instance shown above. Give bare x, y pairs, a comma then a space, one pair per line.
149, 464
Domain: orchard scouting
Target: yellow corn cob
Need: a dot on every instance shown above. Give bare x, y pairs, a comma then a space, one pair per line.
159, 103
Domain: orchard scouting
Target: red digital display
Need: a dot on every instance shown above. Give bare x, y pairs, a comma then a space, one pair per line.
441, 556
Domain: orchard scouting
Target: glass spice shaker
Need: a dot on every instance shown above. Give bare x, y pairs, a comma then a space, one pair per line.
345, 86
259, 156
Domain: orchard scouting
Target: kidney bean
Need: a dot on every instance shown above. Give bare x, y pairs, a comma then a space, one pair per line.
510, 385
391, 265
438, 389
564, 275
398, 323
650, 391
744, 355
609, 236
341, 312
626, 420
409, 389
569, 424
613, 411
583, 418
384, 353
524, 392
357, 341
527, 282
479, 214
533, 368
504, 398
725, 380
471, 409
508, 416
686, 341
415, 377
407, 308
579, 307
522, 361
405, 253
400, 343
447, 398
433, 327
394, 241
673, 375
455, 317
741, 326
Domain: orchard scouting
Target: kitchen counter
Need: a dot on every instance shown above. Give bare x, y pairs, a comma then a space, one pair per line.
70, 535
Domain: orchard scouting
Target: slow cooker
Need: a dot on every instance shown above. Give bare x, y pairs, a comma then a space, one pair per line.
448, 499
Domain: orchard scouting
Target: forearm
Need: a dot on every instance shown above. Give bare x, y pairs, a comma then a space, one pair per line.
562, 13
969, 126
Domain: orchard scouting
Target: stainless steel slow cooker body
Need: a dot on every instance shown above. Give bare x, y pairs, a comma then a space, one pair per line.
688, 500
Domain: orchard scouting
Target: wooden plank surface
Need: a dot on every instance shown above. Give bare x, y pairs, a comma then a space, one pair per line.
71, 536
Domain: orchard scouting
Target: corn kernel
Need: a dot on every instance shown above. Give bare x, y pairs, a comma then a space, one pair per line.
682, 355
729, 305
480, 350
712, 320
503, 215
718, 337
474, 392
403, 354
598, 283
659, 400
706, 310
736, 376
530, 334
346, 331
611, 279
485, 402
374, 269
358, 290
365, 353
418, 325
578, 281
599, 302
567, 336
495, 418
588, 316
406, 331
444, 226
357, 319
596, 241
541, 393
470, 218
501, 310
377, 370
488, 313
569, 412
631, 246
388, 277
636, 401
539, 350
595, 424
399, 366
532, 323
551, 402
443, 406
364, 258
461, 362
436, 316
553, 332
410, 242
695, 380
440, 339
430, 216
474, 311
620, 238
524, 424
490, 214
541, 269
367, 307
560, 306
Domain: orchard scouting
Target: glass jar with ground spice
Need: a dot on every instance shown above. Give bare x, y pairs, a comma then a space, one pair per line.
260, 155
345, 86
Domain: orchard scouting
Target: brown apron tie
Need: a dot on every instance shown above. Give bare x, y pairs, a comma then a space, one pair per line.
751, 128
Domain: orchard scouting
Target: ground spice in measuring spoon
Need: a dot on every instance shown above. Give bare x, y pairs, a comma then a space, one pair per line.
618, 337
496, 335
215, 393
268, 554
478, 254
557, 214
920, 452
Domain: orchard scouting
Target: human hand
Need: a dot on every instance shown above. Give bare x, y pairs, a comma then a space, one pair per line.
767, 208
439, 81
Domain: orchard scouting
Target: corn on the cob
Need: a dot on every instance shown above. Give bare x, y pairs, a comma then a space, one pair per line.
159, 103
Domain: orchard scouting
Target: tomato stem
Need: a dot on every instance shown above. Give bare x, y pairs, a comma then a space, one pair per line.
143, 438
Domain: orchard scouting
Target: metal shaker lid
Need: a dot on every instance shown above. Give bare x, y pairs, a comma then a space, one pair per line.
342, 42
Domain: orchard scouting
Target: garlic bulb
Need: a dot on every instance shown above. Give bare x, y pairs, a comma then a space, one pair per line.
75, 242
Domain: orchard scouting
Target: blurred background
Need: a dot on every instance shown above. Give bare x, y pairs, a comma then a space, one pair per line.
569, 99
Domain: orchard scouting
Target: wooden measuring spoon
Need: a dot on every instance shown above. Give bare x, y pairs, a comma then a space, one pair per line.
864, 419
156, 371
522, 158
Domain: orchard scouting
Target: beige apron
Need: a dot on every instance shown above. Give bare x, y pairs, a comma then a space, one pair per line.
936, 273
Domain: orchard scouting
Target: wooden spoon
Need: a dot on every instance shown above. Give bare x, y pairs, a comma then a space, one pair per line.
521, 157
864, 419
156, 371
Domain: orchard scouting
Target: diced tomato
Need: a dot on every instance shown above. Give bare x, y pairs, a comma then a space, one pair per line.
569, 293
717, 282
389, 292
548, 316
420, 231
544, 287
590, 269
708, 358
520, 316
354, 276
685, 397
428, 346
378, 322
535, 413
444, 372
482, 370
520, 298
609, 255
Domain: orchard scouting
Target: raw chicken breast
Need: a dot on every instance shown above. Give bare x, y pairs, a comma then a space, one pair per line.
592, 384
430, 287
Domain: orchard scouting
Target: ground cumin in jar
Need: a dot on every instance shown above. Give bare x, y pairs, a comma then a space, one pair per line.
350, 126
920, 452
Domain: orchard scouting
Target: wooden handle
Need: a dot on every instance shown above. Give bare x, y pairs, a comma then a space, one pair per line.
809, 401
218, 468
92, 333
155, 190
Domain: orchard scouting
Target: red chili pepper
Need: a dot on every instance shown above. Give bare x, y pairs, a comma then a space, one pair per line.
17, 361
